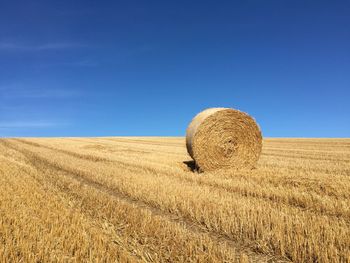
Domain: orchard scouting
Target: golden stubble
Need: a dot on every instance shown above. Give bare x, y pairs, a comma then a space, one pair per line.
138, 199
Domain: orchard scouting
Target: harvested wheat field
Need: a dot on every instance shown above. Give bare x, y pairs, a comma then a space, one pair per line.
138, 200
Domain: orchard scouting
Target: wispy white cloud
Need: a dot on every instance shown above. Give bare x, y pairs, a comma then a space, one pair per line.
82, 63
30, 124
43, 93
22, 91
86, 63
14, 46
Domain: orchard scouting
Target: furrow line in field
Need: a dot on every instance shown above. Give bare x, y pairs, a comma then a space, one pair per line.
134, 217
313, 153
158, 148
299, 167
127, 141
294, 167
317, 143
48, 182
146, 142
305, 157
155, 210
74, 154
38, 224
223, 214
97, 206
277, 195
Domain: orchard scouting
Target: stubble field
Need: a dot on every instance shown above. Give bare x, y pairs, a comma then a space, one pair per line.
138, 200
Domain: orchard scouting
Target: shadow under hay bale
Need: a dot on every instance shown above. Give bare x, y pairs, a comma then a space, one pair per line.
191, 165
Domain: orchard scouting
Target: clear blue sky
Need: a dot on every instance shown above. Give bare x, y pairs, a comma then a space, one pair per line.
105, 68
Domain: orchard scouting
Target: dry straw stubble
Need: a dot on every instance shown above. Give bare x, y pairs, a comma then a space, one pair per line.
223, 138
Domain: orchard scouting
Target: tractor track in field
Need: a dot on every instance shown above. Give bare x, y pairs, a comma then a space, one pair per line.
39, 163
292, 202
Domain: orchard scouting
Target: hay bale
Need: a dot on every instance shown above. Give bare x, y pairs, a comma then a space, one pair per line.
223, 138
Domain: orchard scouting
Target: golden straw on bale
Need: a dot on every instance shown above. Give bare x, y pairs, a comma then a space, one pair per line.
223, 138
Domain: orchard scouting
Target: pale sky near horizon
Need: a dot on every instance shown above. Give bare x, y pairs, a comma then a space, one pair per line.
127, 68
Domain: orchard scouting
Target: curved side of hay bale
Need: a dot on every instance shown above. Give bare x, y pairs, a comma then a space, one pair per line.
223, 138
194, 125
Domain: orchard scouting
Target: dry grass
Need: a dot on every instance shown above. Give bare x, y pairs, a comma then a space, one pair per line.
134, 199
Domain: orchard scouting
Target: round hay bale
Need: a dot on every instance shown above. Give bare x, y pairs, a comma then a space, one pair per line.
223, 138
